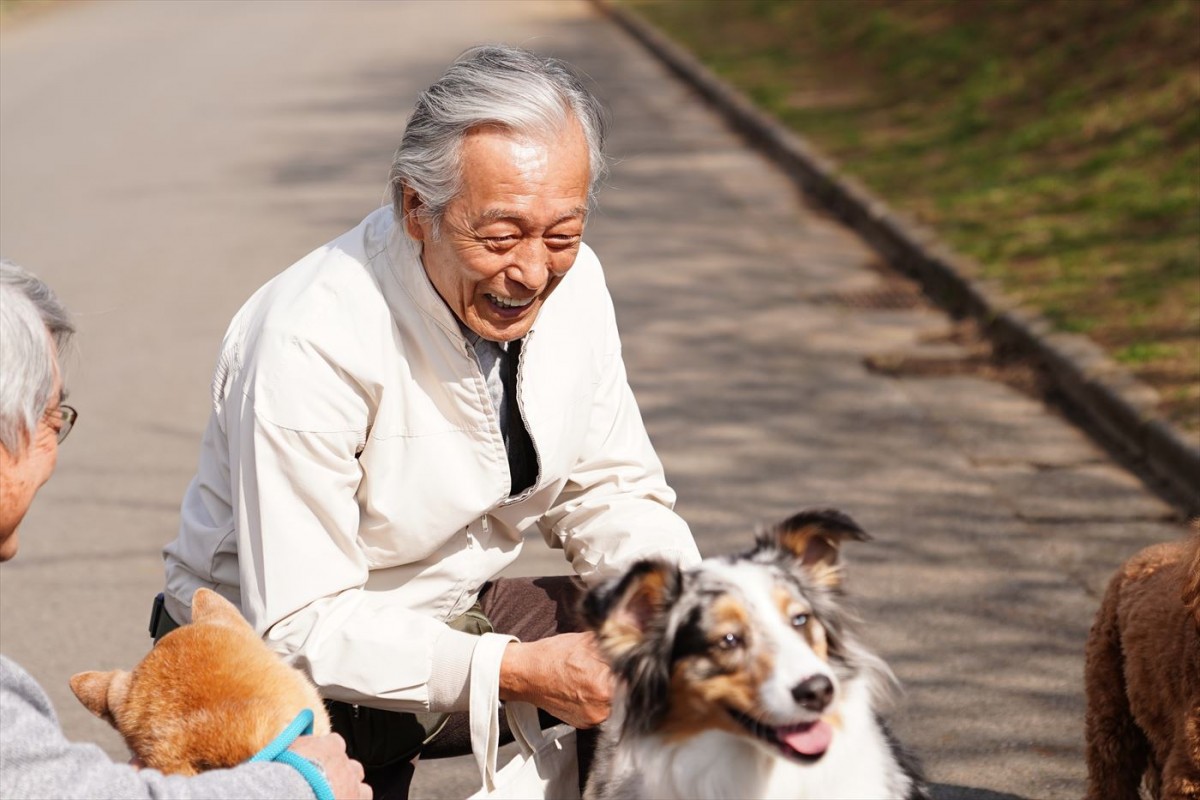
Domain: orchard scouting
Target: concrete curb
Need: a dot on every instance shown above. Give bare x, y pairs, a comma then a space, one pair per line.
1118, 408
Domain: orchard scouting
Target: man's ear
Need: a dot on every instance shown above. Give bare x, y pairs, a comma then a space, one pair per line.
624, 610
410, 205
102, 693
814, 537
212, 608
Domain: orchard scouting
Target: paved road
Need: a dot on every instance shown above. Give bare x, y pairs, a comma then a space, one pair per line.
159, 161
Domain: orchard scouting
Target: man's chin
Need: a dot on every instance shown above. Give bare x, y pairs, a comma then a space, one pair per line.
502, 330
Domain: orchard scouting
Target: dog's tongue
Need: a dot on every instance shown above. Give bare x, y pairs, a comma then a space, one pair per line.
812, 741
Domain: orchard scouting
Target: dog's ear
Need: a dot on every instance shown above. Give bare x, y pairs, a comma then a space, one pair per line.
210, 607
102, 693
629, 616
622, 611
814, 537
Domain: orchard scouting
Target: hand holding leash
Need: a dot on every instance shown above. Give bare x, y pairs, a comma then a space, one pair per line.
561, 674
344, 774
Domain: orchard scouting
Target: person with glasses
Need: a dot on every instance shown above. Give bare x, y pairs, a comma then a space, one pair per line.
36, 759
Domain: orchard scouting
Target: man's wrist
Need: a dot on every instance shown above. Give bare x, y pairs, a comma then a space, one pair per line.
514, 680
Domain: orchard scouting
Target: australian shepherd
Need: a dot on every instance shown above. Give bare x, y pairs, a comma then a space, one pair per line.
743, 678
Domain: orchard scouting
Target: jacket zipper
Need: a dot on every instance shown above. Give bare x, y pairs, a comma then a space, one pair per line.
470, 353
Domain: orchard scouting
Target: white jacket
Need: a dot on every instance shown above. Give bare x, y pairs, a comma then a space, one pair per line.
352, 491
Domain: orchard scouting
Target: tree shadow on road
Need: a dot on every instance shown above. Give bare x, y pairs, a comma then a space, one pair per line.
943, 791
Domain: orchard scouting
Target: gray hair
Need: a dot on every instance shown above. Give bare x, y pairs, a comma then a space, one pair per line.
515, 89
28, 311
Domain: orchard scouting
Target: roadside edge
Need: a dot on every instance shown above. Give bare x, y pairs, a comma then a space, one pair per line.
1117, 408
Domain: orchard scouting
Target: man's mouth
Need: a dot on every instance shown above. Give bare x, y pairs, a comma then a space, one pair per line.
805, 741
509, 302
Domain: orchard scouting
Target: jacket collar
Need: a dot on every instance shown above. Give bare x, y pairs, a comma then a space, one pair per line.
403, 262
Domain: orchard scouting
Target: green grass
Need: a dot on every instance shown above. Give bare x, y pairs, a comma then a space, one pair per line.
1057, 142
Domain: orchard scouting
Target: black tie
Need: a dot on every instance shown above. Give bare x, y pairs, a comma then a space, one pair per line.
522, 460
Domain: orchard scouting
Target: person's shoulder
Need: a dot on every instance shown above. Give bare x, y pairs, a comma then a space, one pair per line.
11, 671
335, 279
585, 281
581, 304
588, 261
320, 323
332, 291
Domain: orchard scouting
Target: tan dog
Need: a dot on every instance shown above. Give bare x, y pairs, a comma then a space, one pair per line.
1143, 677
209, 695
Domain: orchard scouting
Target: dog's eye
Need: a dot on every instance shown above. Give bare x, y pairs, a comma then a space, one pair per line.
799, 620
729, 641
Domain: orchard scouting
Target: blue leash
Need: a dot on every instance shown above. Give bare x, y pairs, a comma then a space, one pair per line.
277, 750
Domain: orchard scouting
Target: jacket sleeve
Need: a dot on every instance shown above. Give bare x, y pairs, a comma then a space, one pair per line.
39, 761
301, 567
616, 506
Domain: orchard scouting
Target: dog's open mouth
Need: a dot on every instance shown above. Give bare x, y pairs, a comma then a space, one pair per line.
806, 741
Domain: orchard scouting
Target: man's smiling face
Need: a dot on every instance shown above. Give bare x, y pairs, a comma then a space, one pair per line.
508, 238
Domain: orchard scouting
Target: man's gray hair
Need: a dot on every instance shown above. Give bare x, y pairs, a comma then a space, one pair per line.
529, 94
28, 311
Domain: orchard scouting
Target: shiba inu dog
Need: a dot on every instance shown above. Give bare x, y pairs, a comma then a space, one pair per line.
743, 678
209, 695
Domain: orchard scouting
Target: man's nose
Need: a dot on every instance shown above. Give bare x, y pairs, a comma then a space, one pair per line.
531, 264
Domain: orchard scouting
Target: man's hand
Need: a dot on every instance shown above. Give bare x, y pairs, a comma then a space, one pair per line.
344, 774
562, 674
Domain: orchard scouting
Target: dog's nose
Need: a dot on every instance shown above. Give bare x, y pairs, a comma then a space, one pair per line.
814, 693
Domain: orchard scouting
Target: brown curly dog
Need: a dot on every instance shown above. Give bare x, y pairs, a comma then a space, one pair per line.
1142, 677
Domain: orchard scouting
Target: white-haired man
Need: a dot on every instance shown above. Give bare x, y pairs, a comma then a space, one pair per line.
395, 410
36, 759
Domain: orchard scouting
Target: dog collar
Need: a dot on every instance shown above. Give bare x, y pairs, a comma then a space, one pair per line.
278, 751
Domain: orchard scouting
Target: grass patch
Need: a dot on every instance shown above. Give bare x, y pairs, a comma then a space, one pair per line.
12, 10
1056, 141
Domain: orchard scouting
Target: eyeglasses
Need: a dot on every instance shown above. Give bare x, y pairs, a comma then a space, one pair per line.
67, 416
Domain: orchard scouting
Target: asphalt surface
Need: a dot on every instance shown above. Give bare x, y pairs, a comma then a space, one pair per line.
160, 161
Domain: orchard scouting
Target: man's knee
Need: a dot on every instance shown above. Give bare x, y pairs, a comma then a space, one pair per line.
534, 608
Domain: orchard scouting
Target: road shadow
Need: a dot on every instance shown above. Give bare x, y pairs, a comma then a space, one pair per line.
943, 791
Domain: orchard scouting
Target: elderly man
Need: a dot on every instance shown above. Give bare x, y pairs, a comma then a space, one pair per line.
395, 410
36, 760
